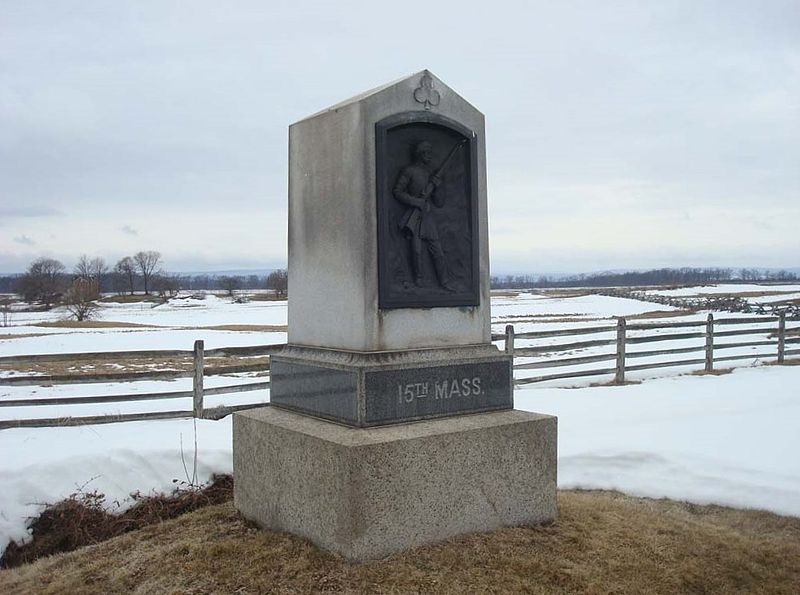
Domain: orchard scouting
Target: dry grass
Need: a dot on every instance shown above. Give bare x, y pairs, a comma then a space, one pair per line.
22, 336
124, 365
714, 372
606, 383
265, 297
601, 543
565, 293
542, 319
518, 317
83, 519
129, 299
248, 328
92, 324
741, 294
790, 332
657, 314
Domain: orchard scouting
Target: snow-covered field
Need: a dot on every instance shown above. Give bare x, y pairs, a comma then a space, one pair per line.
732, 439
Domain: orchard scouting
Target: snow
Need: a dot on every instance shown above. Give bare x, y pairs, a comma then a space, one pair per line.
589, 306
126, 339
725, 289
729, 439
49, 464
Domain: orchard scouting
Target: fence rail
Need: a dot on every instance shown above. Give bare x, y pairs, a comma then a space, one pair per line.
623, 340
780, 341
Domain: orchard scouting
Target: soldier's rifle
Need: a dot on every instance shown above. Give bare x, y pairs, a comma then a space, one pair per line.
431, 186
412, 221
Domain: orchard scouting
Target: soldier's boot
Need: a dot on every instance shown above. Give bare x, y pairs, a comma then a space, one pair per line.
441, 272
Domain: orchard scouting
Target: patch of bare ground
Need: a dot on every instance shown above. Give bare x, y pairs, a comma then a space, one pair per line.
741, 294
565, 319
92, 324
22, 336
506, 292
607, 383
129, 299
657, 314
124, 365
248, 328
266, 297
789, 332
517, 317
565, 293
714, 372
792, 302
602, 542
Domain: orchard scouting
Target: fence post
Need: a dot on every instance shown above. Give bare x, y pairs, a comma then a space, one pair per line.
781, 336
197, 384
710, 343
510, 339
620, 376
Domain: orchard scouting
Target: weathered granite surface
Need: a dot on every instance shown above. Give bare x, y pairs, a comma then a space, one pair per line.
333, 225
366, 493
367, 389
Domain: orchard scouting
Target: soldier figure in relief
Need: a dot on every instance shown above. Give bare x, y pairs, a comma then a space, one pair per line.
416, 187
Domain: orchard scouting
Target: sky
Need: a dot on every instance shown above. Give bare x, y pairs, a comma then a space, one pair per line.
619, 134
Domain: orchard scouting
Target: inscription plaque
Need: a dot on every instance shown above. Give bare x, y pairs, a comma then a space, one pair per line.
443, 390
376, 395
427, 212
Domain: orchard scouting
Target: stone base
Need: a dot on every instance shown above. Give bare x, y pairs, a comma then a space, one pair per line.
378, 388
368, 492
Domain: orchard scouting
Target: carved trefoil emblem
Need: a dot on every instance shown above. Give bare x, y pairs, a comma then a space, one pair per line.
426, 94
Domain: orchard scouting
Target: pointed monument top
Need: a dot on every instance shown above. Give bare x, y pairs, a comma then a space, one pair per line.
427, 91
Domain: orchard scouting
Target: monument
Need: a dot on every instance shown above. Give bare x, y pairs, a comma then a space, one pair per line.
392, 421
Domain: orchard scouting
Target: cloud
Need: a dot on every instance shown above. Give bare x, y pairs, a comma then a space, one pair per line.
129, 230
25, 240
34, 211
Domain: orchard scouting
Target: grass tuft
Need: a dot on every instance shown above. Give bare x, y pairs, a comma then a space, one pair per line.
84, 519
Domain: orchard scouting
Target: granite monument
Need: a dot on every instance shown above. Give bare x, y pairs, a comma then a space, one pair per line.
392, 420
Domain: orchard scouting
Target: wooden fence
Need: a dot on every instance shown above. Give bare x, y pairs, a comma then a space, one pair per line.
776, 348
721, 303
198, 372
778, 339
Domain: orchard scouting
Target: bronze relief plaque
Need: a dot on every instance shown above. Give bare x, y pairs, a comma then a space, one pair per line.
427, 194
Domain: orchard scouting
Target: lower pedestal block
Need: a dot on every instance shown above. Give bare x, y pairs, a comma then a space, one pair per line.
368, 492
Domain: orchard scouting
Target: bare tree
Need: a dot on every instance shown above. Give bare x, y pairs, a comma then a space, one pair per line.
125, 272
148, 263
167, 286
43, 281
80, 299
230, 284
278, 280
94, 268
5, 310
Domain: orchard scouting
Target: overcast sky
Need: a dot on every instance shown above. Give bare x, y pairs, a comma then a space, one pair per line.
619, 134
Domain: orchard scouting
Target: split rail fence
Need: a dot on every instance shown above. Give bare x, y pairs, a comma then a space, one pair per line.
778, 338
778, 347
198, 372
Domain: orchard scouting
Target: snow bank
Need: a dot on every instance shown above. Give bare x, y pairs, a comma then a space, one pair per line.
45, 465
730, 440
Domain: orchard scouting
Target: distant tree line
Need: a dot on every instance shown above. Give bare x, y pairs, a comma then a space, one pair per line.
682, 276
48, 282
